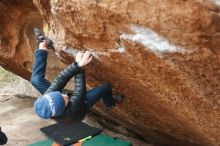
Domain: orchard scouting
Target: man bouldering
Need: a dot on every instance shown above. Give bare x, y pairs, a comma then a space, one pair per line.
55, 102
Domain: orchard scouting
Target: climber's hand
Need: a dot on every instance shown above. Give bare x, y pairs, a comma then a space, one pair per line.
84, 58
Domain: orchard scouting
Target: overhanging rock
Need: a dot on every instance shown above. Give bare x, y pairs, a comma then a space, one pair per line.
164, 56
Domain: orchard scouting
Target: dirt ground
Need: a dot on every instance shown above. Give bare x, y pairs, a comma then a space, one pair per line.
21, 125
19, 122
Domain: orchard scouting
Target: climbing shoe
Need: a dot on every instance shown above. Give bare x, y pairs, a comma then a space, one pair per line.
39, 35
49, 43
41, 38
119, 98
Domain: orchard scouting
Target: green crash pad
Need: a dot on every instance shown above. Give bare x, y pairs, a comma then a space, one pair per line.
99, 140
46, 142
104, 140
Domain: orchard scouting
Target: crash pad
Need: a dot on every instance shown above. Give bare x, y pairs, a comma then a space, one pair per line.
67, 134
98, 140
45, 142
104, 140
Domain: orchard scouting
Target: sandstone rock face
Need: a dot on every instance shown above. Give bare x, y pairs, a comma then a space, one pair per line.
163, 55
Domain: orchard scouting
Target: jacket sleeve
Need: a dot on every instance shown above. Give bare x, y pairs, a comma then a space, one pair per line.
60, 82
79, 94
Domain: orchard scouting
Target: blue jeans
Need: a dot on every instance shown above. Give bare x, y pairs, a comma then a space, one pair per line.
39, 81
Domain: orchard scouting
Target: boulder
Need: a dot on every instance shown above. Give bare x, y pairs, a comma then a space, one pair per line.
163, 55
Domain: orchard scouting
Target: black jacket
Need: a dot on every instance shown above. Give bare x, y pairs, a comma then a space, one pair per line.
76, 109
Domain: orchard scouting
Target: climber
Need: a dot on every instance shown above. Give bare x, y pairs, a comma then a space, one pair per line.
3, 138
56, 102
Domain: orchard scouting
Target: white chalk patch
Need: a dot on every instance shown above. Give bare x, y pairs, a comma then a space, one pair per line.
109, 52
53, 10
217, 2
96, 54
121, 49
151, 40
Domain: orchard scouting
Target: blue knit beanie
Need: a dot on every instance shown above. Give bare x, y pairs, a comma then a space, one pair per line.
49, 105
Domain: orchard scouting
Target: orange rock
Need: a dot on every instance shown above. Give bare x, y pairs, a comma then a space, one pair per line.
163, 55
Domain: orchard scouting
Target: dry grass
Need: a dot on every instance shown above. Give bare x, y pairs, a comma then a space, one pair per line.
6, 76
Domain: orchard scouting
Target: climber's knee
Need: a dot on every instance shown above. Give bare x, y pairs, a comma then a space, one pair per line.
35, 81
